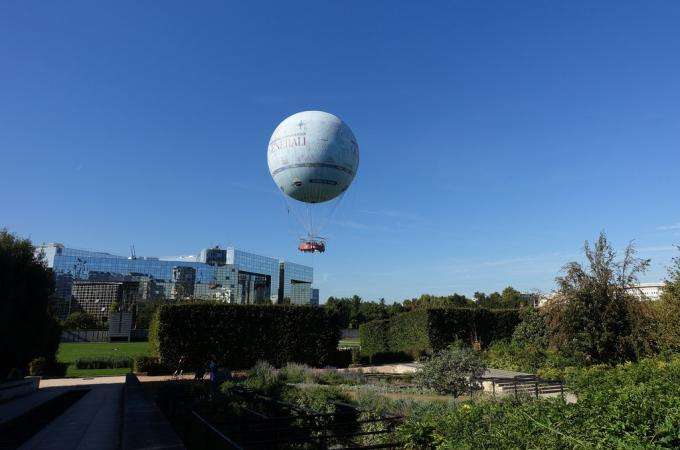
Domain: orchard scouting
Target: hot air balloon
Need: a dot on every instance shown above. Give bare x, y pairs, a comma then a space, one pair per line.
313, 158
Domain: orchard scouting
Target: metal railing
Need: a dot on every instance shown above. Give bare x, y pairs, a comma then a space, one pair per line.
267, 423
524, 385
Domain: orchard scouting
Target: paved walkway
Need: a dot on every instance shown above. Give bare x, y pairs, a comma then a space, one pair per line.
92, 423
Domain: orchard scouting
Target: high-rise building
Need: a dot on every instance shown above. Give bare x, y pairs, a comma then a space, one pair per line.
228, 275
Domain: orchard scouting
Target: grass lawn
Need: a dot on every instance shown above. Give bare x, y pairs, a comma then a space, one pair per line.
70, 351
348, 343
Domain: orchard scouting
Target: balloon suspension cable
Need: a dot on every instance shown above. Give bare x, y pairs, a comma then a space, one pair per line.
331, 215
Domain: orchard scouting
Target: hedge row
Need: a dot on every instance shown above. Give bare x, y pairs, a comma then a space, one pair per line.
241, 335
411, 334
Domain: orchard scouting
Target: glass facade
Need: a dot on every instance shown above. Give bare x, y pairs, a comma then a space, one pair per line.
251, 265
296, 282
228, 275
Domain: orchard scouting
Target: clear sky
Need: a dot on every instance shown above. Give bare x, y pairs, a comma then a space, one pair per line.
495, 136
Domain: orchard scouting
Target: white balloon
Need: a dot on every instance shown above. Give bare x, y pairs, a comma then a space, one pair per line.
313, 156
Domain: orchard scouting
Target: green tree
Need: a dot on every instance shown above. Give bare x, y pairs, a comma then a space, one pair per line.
451, 371
436, 301
593, 316
532, 330
669, 308
27, 331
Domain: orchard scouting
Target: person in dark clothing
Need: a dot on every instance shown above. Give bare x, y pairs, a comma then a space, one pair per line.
212, 369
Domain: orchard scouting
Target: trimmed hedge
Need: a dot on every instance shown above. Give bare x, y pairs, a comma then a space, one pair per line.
414, 333
241, 335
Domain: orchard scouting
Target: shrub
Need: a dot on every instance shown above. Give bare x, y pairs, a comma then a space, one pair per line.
103, 362
328, 400
150, 365
45, 367
532, 330
296, 373
240, 335
264, 378
628, 406
451, 371
82, 321
515, 356
336, 377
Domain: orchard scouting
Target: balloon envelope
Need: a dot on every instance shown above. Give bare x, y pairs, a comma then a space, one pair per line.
313, 156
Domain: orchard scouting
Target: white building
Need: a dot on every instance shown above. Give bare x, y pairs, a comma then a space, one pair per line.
647, 291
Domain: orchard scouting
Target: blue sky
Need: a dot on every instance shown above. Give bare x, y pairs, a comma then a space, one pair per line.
495, 136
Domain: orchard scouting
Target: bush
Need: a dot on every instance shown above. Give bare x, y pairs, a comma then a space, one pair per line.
296, 373
82, 321
150, 365
336, 377
416, 333
451, 371
628, 406
532, 330
103, 362
264, 378
45, 367
241, 335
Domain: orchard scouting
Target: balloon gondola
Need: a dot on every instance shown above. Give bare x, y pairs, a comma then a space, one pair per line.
312, 244
313, 158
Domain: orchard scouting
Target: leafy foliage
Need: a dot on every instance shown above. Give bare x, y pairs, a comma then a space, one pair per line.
669, 308
44, 367
27, 331
420, 332
241, 335
451, 371
264, 378
532, 330
297, 373
427, 301
510, 298
150, 365
80, 320
354, 311
630, 406
593, 316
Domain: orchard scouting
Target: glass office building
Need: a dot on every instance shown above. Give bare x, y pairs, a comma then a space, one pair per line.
228, 275
297, 283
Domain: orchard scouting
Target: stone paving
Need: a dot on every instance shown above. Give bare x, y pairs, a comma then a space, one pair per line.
93, 422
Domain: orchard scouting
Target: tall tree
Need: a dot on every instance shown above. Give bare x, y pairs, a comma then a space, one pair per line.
593, 316
669, 308
27, 331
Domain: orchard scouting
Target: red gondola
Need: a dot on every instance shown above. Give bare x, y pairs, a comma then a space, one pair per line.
311, 246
